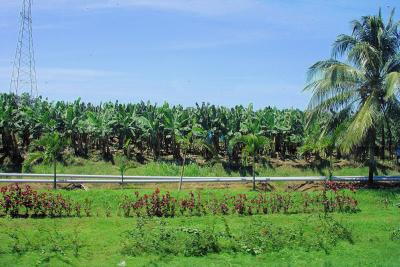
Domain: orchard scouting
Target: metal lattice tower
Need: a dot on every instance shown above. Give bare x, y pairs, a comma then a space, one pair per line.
23, 78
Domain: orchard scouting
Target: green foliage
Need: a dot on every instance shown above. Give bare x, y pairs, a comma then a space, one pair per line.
142, 131
200, 242
157, 237
361, 90
253, 143
47, 242
395, 235
123, 164
48, 148
138, 241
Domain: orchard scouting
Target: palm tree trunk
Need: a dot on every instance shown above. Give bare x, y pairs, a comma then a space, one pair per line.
182, 171
254, 172
389, 133
371, 139
383, 143
390, 145
55, 175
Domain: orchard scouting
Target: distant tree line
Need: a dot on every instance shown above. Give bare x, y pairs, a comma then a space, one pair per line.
146, 131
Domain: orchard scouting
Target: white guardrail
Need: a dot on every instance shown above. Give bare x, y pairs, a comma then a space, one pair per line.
79, 178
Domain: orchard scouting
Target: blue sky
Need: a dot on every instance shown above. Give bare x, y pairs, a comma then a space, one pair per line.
225, 52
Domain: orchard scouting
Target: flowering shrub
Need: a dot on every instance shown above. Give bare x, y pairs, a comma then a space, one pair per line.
149, 205
17, 201
336, 186
164, 205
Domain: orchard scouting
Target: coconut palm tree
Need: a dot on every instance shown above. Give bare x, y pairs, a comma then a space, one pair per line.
48, 148
123, 166
364, 82
252, 145
195, 138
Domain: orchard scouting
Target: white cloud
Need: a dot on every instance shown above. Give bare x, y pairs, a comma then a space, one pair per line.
200, 7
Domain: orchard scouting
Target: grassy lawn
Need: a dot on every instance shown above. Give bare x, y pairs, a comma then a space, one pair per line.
172, 169
99, 240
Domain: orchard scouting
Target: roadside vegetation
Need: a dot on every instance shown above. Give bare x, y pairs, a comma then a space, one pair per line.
305, 234
351, 127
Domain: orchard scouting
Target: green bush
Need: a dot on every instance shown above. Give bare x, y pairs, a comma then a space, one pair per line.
200, 242
395, 235
156, 237
147, 238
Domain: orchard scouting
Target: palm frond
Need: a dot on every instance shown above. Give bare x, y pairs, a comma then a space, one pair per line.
391, 85
365, 118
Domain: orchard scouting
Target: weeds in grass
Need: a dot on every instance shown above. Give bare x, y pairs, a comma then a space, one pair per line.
77, 242
78, 209
108, 209
200, 242
48, 242
156, 237
395, 235
87, 207
146, 238
19, 242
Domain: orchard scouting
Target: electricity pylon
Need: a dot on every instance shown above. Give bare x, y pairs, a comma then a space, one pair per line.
23, 79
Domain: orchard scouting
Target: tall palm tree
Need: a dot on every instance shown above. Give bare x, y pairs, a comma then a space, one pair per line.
364, 83
48, 149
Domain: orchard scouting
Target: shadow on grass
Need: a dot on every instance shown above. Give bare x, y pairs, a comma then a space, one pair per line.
320, 166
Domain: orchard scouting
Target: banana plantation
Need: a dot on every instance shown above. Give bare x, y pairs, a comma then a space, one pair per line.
146, 131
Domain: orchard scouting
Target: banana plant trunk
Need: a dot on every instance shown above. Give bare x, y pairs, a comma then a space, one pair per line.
55, 175
182, 171
254, 172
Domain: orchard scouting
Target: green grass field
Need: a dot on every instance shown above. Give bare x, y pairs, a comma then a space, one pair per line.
98, 240
172, 169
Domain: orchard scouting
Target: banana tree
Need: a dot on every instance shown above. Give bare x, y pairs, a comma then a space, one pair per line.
151, 130
174, 121
100, 126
